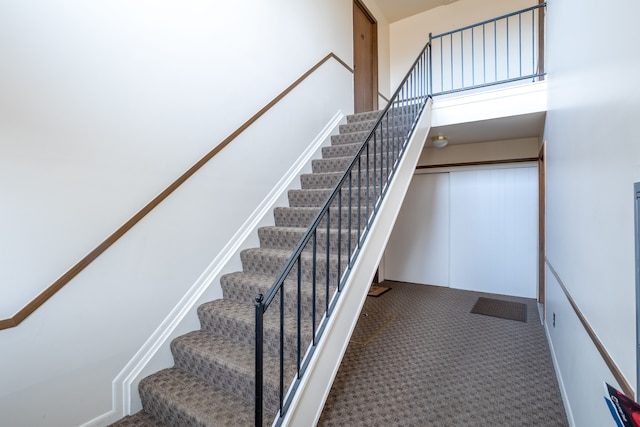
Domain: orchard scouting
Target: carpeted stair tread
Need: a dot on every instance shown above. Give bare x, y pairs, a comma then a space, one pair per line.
360, 136
340, 164
357, 126
229, 364
236, 321
243, 287
178, 398
304, 216
351, 149
375, 115
270, 261
366, 116
288, 238
139, 419
310, 197
367, 125
328, 180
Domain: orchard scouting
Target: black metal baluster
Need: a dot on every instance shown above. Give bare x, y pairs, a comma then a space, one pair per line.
339, 237
314, 251
508, 72
349, 218
520, 42
281, 393
473, 58
299, 315
259, 375
327, 262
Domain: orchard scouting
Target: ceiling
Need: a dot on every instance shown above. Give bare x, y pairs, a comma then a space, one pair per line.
395, 10
514, 127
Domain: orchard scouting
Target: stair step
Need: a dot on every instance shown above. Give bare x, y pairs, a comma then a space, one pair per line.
396, 120
382, 144
328, 180
366, 116
340, 164
374, 115
269, 262
358, 126
243, 287
304, 216
236, 321
139, 419
230, 365
317, 197
359, 137
274, 237
178, 398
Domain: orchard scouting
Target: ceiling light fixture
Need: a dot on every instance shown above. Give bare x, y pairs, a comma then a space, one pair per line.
439, 141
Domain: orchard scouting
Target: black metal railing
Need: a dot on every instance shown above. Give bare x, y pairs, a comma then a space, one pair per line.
292, 316
496, 51
309, 285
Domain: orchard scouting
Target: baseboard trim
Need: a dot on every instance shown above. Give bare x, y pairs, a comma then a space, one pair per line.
563, 391
103, 420
124, 384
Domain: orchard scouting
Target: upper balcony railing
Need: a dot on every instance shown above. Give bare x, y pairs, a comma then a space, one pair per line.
497, 51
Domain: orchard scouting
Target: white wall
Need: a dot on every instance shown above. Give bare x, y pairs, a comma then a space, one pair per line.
593, 96
102, 105
410, 35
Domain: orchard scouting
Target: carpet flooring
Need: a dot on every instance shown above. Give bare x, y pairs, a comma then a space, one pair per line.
437, 364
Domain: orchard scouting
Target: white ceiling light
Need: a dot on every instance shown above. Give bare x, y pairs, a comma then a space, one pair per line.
439, 141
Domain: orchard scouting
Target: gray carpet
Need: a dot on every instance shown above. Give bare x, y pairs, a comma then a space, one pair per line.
437, 364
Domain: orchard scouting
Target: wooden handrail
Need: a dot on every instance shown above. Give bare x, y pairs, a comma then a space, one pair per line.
608, 360
28, 309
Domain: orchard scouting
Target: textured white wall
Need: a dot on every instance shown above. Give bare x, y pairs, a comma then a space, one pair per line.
593, 159
102, 105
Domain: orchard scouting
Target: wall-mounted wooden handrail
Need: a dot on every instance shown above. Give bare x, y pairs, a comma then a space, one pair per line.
608, 360
16, 319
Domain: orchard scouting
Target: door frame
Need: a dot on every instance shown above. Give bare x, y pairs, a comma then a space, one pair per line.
542, 179
374, 54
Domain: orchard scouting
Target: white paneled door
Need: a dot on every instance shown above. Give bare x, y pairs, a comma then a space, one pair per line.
494, 231
469, 229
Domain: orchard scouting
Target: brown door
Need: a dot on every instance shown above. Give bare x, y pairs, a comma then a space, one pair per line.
365, 59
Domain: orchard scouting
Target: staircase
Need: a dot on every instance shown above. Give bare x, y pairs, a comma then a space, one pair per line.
212, 380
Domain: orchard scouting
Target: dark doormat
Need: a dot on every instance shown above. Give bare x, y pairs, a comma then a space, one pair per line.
502, 309
376, 291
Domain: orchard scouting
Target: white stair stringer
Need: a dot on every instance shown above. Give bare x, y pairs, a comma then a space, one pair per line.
313, 390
